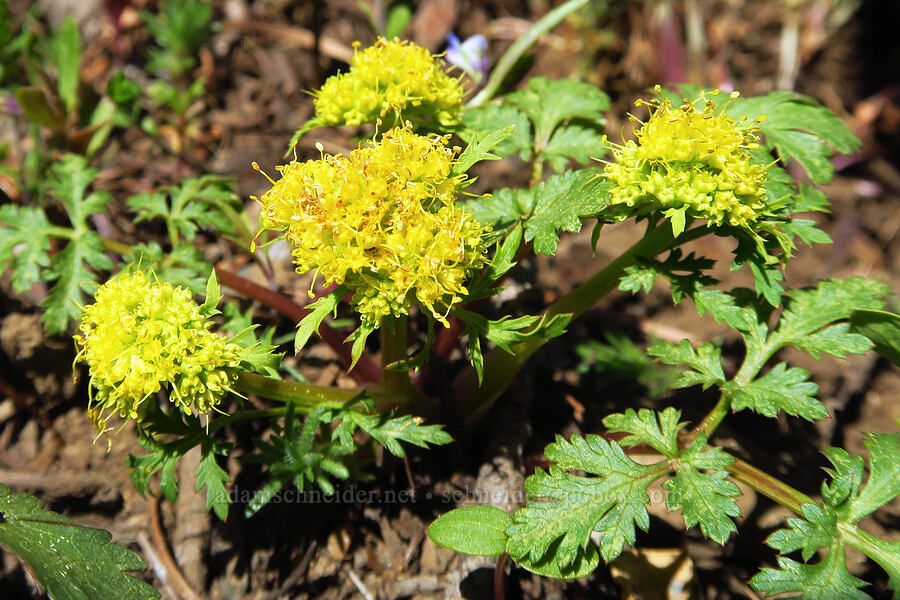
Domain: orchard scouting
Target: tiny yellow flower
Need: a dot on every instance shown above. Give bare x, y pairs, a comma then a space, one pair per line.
396, 77
382, 221
140, 336
690, 162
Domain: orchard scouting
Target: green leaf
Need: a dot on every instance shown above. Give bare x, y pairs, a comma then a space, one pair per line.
809, 310
736, 309
479, 148
883, 484
705, 360
586, 561
37, 108
575, 142
123, 90
389, 430
257, 355
549, 102
67, 54
657, 430
213, 296
399, 15
782, 388
475, 530
69, 561
506, 331
181, 29
491, 117
320, 309
358, 337
70, 273
816, 529
882, 328
207, 202
557, 204
833, 526
563, 508
502, 261
184, 265
826, 579
637, 278
24, 244
211, 476
798, 128
701, 491
162, 457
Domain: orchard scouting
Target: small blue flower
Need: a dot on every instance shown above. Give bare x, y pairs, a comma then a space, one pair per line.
471, 55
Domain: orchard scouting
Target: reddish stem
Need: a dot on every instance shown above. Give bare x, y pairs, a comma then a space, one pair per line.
448, 337
365, 371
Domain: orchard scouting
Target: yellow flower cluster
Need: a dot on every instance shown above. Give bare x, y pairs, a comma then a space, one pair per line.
690, 162
381, 221
390, 77
140, 335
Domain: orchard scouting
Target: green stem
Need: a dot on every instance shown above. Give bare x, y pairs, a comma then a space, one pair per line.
520, 46
306, 397
243, 415
117, 247
712, 420
501, 367
768, 486
752, 365
394, 347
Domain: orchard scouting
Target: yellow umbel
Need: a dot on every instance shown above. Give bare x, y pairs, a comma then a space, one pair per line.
391, 77
689, 162
140, 336
382, 221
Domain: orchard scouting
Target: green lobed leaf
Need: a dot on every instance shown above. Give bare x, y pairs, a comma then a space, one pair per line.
69, 561
705, 360
816, 529
828, 578
257, 354
550, 102
506, 331
557, 204
833, 526
882, 328
701, 491
24, 244
659, 430
585, 562
782, 388
475, 530
480, 146
883, 484
809, 310
563, 508
211, 476
319, 309
638, 278
496, 116
575, 142
389, 430
70, 273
